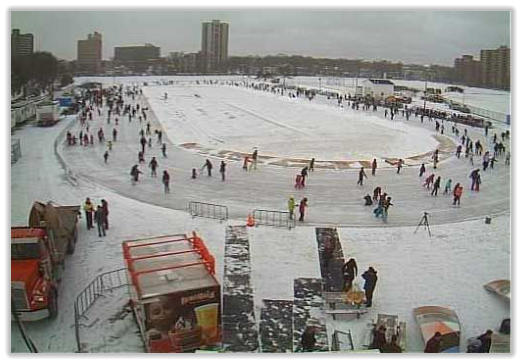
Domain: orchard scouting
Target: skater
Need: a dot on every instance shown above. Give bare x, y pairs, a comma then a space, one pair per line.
303, 175
368, 200
148, 130
115, 134
492, 160
106, 156
385, 209
153, 164
143, 142
222, 170
301, 208
208, 165
361, 175
89, 210
478, 182
400, 165
135, 172
99, 216
349, 272
255, 159
105, 207
164, 150
429, 181
376, 194
485, 161
422, 169
311, 165
150, 143
474, 176
437, 184
165, 180
160, 133
246, 163
141, 158
458, 151
507, 159
194, 174
291, 205
374, 166
297, 183
433, 345
458, 191
448, 186
308, 339
370, 277
110, 145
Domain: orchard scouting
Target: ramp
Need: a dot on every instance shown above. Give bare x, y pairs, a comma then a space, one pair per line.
276, 326
331, 273
240, 333
308, 310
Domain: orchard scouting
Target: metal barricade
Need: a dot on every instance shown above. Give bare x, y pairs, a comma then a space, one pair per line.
208, 210
273, 218
85, 300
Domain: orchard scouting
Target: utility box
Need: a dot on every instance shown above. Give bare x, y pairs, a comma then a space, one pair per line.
174, 293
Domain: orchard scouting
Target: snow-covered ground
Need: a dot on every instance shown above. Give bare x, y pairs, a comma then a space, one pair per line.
233, 119
448, 269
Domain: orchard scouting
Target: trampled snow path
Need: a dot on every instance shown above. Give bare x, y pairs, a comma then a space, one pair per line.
334, 197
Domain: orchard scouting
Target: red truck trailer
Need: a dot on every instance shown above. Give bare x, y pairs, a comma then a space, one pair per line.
37, 259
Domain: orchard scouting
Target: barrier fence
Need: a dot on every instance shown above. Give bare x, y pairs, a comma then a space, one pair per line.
85, 300
208, 210
273, 218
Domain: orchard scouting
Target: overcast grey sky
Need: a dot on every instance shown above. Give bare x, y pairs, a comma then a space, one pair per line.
422, 36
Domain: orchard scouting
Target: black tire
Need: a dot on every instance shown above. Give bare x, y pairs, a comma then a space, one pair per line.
53, 304
71, 244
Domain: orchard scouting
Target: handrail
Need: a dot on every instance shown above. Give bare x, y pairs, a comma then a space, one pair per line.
209, 210
274, 218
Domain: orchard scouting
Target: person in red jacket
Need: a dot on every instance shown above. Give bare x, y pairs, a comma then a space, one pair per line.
303, 205
458, 191
433, 345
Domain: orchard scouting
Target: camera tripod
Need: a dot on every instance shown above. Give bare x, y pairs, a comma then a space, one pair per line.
425, 222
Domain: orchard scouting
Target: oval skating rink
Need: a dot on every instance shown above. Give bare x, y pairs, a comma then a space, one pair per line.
227, 117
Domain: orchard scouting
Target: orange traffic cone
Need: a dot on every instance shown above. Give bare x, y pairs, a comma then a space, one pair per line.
250, 220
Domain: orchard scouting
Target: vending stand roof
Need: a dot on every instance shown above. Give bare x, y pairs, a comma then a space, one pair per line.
167, 264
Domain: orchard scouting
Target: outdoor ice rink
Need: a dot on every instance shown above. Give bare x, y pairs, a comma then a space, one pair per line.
223, 120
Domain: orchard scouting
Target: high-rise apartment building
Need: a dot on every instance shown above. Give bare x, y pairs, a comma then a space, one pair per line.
468, 70
495, 67
215, 45
89, 54
21, 44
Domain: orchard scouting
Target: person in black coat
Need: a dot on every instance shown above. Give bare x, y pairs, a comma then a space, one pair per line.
308, 339
486, 342
370, 277
99, 217
349, 271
